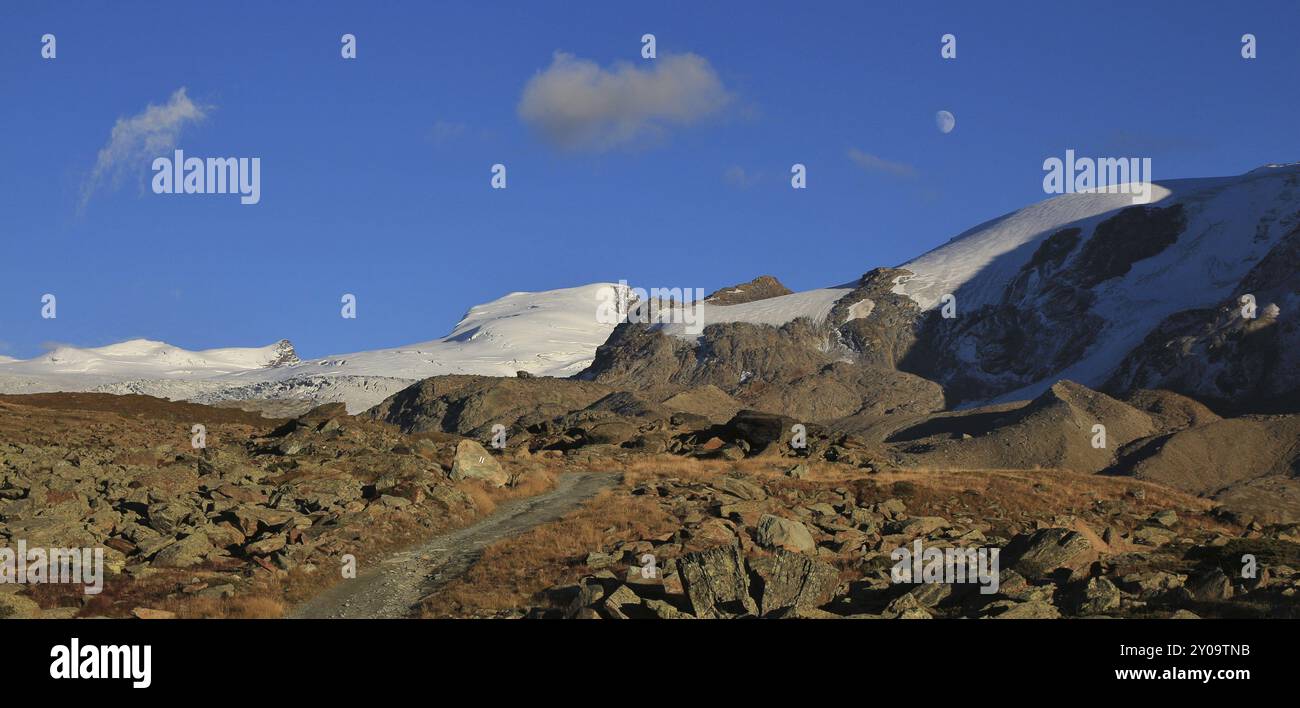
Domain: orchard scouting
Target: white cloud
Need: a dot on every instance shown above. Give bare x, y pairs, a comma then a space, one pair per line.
873, 163
577, 105
138, 139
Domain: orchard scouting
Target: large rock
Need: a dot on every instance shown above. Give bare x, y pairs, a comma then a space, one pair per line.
776, 532
474, 462
761, 429
189, 551
716, 583
1034, 609
1037, 554
793, 580
1099, 597
739, 488
14, 606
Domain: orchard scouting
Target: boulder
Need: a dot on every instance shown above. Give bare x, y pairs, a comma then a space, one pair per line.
623, 603
189, 551
664, 610
474, 462
906, 606
776, 532
268, 544
793, 580
761, 429
610, 432
716, 583
1037, 554
740, 488
168, 517
1099, 597
590, 591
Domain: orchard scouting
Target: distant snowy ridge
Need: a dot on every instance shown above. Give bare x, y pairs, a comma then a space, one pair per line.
550, 333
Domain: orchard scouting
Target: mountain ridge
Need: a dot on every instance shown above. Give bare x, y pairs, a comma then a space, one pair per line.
1068, 287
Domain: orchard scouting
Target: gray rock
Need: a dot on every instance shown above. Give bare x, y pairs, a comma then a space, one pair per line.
777, 532
740, 488
1152, 536
168, 517
793, 580
906, 606
623, 604
1167, 518
590, 591
716, 583
1034, 609
474, 462
1045, 550
663, 610
189, 551
1099, 597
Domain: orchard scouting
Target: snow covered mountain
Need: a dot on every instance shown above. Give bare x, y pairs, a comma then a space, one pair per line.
1064, 288
75, 368
1083, 286
1068, 287
552, 333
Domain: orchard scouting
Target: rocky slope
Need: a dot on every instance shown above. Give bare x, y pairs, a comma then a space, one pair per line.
818, 542
266, 509
1082, 286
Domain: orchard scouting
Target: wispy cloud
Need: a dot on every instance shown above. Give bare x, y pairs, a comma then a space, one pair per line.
137, 139
740, 177
873, 163
576, 104
445, 132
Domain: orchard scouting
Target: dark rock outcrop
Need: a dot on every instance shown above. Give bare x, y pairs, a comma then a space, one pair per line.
760, 288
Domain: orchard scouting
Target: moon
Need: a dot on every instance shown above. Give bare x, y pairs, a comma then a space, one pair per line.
946, 121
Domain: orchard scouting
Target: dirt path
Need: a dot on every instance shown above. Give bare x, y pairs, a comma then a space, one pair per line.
391, 590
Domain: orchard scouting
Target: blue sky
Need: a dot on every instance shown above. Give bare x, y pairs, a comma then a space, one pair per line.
375, 171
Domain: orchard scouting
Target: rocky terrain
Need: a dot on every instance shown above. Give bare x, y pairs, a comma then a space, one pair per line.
814, 541
742, 512
1105, 393
262, 515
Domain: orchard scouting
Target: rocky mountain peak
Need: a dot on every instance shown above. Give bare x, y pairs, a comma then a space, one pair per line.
760, 288
283, 355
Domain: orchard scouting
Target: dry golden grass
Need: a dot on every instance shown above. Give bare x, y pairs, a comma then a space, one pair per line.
239, 607
1039, 491
512, 572
689, 469
527, 482
531, 482
481, 494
